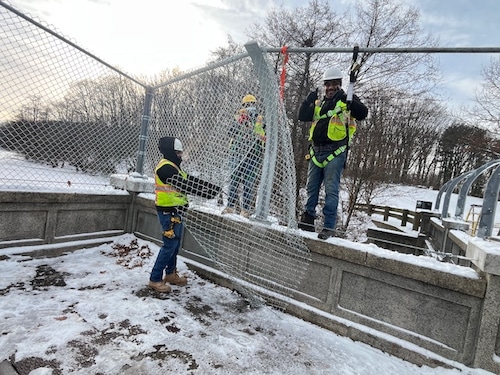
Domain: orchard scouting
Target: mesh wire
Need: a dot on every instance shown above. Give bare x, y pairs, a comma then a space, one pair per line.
63, 110
224, 145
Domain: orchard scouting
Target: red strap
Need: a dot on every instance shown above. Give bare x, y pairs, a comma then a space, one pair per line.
284, 51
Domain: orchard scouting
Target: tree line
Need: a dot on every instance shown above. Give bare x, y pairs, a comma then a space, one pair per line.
94, 128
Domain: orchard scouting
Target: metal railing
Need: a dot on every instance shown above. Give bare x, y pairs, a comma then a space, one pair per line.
490, 199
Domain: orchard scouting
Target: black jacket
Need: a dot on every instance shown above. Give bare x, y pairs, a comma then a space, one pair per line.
170, 175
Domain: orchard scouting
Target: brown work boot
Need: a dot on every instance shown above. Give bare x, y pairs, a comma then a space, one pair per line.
174, 278
245, 213
159, 286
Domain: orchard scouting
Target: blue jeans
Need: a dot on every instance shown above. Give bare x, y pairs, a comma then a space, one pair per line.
167, 257
330, 176
245, 173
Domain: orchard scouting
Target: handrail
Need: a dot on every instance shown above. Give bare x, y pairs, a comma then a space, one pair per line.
403, 214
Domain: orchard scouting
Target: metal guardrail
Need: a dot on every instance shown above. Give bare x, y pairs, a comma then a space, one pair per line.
490, 198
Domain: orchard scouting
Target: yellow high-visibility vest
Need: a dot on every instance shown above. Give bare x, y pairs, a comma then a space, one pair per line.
165, 194
336, 124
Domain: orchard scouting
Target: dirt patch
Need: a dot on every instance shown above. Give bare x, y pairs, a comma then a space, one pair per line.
46, 276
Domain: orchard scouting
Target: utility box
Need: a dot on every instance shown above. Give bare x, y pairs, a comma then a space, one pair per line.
424, 205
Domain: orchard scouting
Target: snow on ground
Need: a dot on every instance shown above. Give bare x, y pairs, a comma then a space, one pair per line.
90, 312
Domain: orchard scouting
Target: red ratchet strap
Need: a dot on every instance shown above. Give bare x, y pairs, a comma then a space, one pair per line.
284, 51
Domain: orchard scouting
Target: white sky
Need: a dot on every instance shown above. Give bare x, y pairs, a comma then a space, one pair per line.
149, 36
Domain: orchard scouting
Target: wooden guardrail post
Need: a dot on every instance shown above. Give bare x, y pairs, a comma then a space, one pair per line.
404, 218
416, 220
386, 213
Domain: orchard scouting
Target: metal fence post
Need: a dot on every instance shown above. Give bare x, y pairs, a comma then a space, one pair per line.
271, 101
143, 137
459, 210
451, 185
490, 201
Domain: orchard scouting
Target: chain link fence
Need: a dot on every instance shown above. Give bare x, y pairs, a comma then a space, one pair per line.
73, 118
68, 121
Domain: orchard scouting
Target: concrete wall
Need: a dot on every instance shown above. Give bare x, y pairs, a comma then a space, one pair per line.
384, 302
29, 218
419, 313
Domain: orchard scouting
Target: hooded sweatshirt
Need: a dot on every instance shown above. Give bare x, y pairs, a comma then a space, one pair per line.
168, 174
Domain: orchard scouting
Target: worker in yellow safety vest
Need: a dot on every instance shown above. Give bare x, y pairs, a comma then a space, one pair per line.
333, 126
172, 186
248, 138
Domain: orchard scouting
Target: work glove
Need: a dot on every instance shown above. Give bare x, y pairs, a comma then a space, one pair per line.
194, 185
313, 95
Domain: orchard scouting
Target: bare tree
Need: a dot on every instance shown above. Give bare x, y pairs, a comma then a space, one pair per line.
462, 148
488, 97
35, 111
389, 23
314, 25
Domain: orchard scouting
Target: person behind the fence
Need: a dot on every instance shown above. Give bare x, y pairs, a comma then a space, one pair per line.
328, 150
248, 138
172, 185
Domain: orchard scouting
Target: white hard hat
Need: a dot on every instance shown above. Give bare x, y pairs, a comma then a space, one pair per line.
332, 73
178, 145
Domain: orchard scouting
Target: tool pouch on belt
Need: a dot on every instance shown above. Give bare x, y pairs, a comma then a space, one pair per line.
174, 229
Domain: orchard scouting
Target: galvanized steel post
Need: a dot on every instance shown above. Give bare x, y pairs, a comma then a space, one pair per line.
143, 136
271, 101
462, 195
490, 201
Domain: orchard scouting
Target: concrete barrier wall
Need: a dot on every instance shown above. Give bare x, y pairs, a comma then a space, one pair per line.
424, 314
30, 218
385, 302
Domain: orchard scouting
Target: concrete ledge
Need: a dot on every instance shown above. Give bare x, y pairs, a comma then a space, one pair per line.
133, 182
455, 224
34, 218
402, 304
55, 250
459, 238
485, 255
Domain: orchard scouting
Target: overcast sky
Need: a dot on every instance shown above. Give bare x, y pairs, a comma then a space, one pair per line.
151, 35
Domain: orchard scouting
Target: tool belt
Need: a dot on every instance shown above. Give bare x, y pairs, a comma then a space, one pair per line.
174, 219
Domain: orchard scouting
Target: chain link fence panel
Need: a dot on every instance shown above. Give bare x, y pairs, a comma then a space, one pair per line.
71, 116
230, 140
69, 121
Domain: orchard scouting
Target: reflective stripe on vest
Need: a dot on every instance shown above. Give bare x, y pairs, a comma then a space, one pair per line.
336, 125
165, 194
329, 158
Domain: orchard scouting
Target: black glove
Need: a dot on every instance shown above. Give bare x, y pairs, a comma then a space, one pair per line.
313, 95
195, 186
